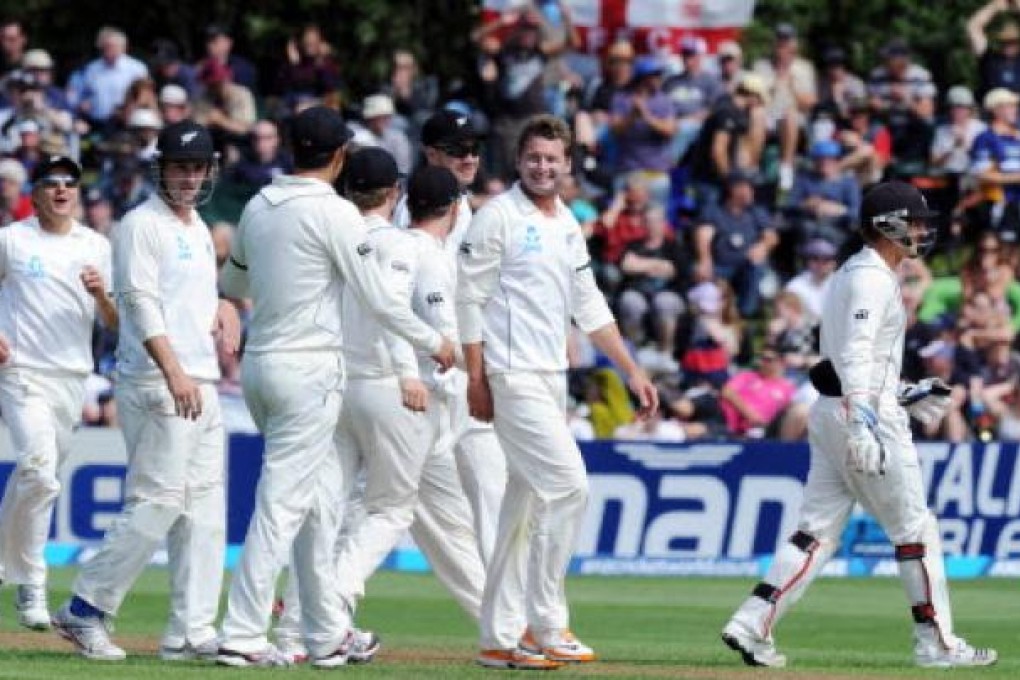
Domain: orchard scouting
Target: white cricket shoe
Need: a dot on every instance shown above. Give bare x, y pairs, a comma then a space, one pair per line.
293, 649
269, 657
90, 634
364, 646
561, 647
203, 651
930, 653
755, 650
33, 611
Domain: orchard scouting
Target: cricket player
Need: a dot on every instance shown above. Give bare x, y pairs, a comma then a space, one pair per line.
449, 140
395, 423
861, 448
170, 320
298, 248
53, 283
524, 274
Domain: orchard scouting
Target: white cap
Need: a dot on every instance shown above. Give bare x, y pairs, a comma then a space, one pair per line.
960, 95
37, 58
28, 126
13, 170
999, 96
144, 118
172, 94
730, 48
377, 105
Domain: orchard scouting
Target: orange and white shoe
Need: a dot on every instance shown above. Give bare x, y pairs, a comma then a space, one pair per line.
515, 659
564, 647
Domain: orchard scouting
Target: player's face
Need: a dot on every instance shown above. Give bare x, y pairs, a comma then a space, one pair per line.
920, 235
541, 164
183, 181
461, 158
57, 195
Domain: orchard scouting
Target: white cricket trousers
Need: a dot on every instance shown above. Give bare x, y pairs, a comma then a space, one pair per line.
294, 398
173, 491
542, 511
410, 482
41, 410
481, 467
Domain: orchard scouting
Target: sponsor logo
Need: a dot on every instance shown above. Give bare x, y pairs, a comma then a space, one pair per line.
363, 249
861, 315
435, 298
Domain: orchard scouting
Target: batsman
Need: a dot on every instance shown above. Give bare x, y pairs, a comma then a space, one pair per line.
861, 446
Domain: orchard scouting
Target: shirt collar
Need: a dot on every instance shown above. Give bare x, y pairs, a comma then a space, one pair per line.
526, 206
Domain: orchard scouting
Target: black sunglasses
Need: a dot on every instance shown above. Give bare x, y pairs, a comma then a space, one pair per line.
52, 181
461, 149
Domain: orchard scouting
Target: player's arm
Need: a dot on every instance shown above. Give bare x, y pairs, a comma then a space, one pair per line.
234, 280
592, 315
479, 260
399, 263
354, 257
869, 294
136, 280
5, 348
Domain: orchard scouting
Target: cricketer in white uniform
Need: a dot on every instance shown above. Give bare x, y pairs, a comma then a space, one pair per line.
299, 246
170, 314
861, 447
450, 141
53, 278
524, 273
395, 425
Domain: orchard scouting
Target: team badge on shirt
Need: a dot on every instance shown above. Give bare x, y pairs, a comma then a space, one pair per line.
532, 240
183, 249
34, 268
363, 249
435, 298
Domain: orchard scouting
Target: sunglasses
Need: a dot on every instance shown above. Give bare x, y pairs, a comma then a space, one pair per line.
461, 149
53, 181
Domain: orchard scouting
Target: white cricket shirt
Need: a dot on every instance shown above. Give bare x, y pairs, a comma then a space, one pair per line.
158, 257
522, 276
298, 246
432, 299
45, 312
402, 219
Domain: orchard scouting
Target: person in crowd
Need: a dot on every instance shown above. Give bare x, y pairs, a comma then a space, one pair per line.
39, 63
262, 160
792, 85
752, 400
310, 69
13, 42
415, 95
826, 200
716, 334
15, 202
730, 58
693, 92
102, 85
643, 125
812, 285
894, 83
219, 48
912, 128
379, 129
794, 334
733, 241
950, 149
732, 138
622, 223
866, 143
651, 269
226, 108
617, 73
995, 158
999, 54
167, 66
174, 104
838, 85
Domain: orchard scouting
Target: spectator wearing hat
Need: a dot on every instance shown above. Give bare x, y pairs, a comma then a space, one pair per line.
732, 138
825, 201
998, 51
262, 160
378, 129
730, 58
101, 86
168, 67
995, 160
643, 125
39, 63
219, 46
913, 130
950, 149
732, 241
28, 103
895, 83
174, 104
811, 286
98, 212
145, 125
838, 85
15, 203
693, 92
226, 108
792, 88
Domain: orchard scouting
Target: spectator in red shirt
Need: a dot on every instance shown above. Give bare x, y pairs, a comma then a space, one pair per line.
752, 400
15, 204
624, 222
867, 143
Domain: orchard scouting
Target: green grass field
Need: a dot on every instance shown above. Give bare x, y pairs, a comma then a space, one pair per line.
640, 627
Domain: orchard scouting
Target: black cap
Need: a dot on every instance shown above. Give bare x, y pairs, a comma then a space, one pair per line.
448, 127
785, 31
50, 163
431, 187
370, 168
891, 197
185, 141
897, 47
834, 56
318, 131
738, 175
215, 31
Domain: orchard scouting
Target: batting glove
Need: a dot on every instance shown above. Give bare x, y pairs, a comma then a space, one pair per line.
927, 401
865, 451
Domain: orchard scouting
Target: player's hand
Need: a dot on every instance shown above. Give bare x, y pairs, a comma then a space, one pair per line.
226, 328
865, 451
187, 396
5, 350
479, 398
647, 395
446, 355
927, 401
414, 394
93, 281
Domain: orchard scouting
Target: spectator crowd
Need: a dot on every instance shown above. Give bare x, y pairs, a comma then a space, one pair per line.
716, 194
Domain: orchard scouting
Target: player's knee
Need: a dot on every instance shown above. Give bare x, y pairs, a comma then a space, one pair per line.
36, 475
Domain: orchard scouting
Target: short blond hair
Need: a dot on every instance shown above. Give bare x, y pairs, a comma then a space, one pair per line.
546, 126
